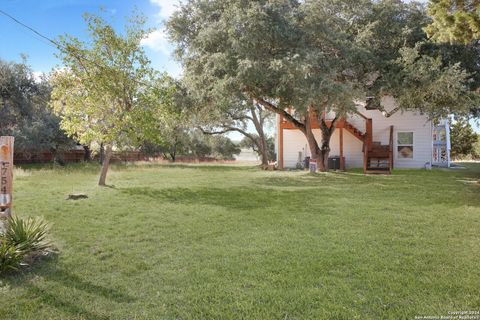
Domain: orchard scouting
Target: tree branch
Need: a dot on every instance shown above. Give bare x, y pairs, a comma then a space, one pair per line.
270, 106
215, 132
232, 116
230, 129
391, 113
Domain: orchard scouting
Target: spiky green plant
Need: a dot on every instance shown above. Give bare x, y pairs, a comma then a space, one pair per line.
10, 256
29, 235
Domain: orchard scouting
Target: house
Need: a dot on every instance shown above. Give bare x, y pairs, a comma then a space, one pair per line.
374, 140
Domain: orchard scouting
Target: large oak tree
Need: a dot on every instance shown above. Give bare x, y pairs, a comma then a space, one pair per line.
315, 57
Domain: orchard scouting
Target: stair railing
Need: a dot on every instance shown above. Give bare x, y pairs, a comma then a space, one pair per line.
368, 142
369, 132
390, 150
365, 153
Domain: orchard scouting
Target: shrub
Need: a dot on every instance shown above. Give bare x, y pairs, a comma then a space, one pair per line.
21, 241
28, 235
10, 256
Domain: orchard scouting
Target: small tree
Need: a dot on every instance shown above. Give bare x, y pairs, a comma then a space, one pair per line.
174, 142
167, 130
107, 92
236, 117
250, 144
476, 150
463, 139
223, 148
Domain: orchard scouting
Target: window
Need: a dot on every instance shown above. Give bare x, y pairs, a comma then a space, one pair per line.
405, 145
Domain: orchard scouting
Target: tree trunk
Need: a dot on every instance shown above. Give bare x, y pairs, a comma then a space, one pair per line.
320, 153
262, 144
173, 152
326, 136
105, 165
325, 148
315, 152
87, 155
102, 153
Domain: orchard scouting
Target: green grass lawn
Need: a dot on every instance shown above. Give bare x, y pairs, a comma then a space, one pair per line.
224, 242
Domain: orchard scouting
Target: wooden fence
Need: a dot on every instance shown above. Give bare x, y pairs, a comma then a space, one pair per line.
70, 156
73, 156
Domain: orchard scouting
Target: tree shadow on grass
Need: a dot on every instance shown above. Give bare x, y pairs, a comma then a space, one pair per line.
380, 188
211, 167
237, 198
73, 281
303, 181
64, 305
47, 271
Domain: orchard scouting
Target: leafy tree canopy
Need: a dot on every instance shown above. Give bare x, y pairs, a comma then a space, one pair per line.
463, 139
454, 21
314, 56
107, 91
302, 53
24, 111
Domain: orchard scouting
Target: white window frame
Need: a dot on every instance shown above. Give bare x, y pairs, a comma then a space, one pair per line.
406, 145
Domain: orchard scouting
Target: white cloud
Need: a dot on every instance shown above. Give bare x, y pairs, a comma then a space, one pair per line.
167, 7
37, 76
157, 41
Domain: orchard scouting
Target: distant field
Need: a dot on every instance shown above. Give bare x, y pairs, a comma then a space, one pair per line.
234, 242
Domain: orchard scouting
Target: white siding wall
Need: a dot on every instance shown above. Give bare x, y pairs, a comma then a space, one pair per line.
295, 141
403, 122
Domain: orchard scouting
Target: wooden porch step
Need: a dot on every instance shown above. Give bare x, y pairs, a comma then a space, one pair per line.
378, 165
377, 171
380, 147
378, 155
379, 151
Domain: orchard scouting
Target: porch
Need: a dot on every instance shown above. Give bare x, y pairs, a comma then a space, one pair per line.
376, 157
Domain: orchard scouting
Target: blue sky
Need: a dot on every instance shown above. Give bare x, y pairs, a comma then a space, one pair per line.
55, 17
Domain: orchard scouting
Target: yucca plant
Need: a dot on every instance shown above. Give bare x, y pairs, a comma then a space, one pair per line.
28, 235
10, 256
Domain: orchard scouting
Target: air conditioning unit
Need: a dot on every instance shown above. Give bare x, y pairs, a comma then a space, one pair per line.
334, 163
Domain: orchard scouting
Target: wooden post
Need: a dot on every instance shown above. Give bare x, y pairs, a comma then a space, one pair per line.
369, 129
280, 143
342, 162
6, 176
390, 150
